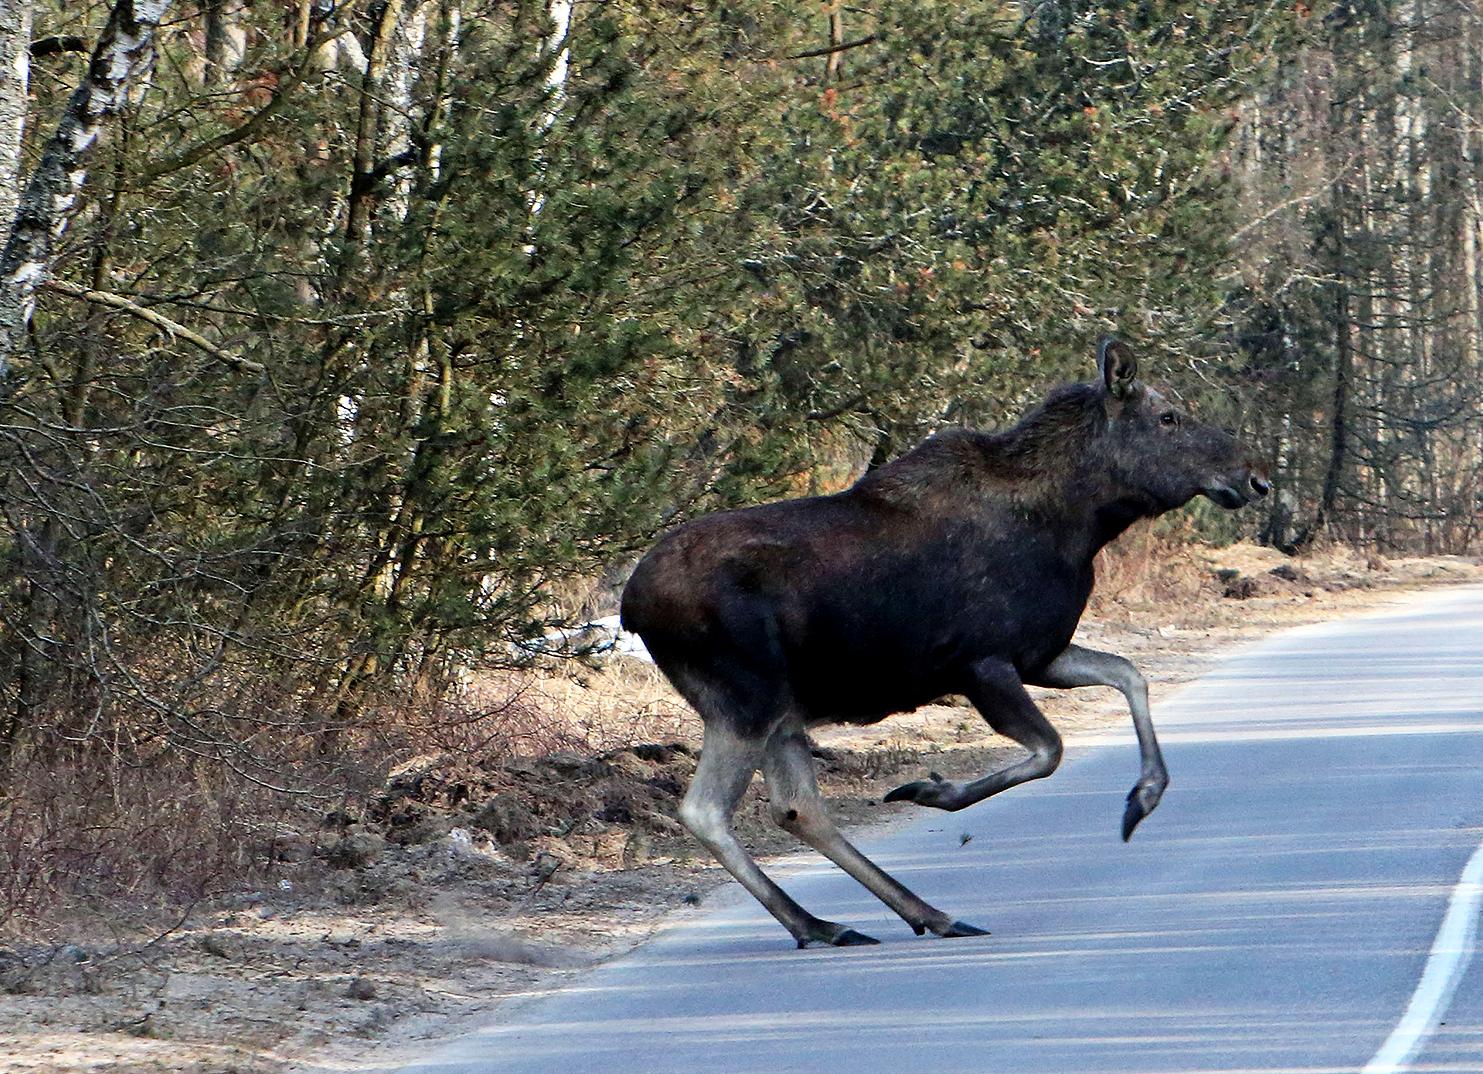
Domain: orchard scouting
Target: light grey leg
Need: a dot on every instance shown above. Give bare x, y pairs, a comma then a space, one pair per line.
797, 806
1087, 667
998, 694
726, 766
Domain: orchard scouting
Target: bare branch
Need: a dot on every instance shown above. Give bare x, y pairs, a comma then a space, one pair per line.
57, 44
159, 320
293, 78
868, 39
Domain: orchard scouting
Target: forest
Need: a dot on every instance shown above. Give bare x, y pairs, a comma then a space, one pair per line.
350, 349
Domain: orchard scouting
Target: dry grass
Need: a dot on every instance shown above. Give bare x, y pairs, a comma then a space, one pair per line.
619, 703
80, 832
1151, 566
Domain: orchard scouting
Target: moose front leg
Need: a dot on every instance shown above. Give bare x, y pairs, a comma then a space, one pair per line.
996, 691
1087, 667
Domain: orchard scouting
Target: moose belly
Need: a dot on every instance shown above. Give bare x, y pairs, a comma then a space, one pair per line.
867, 658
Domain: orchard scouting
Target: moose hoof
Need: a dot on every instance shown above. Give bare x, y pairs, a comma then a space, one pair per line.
932, 791
962, 928
827, 932
1141, 801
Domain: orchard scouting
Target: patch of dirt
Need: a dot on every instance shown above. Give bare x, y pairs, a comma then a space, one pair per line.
463, 883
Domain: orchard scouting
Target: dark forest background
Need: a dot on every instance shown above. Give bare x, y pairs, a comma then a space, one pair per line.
351, 348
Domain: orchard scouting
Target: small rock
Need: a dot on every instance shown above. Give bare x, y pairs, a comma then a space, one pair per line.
506, 819
213, 944
1242, 588
16, 978
240, 900
360, 988
339, 818
413, 823
292, 853
356, 850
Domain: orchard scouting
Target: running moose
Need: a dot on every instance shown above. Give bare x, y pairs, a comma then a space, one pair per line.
960, 568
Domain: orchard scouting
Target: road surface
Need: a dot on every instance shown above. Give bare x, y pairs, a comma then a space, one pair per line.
1279, 912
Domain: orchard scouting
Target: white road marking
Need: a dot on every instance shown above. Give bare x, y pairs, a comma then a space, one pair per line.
1445, 966
1277, 734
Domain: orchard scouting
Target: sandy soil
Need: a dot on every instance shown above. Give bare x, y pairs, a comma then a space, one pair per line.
462, 887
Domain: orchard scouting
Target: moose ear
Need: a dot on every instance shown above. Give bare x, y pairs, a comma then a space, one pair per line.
1117, 365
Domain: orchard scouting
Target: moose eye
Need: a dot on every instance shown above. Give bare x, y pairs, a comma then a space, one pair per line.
1169, 418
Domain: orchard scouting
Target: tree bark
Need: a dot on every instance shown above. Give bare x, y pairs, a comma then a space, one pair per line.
15, 77
125, 49
363, 178
1339, 415
224, 41
1342, 150
836, 43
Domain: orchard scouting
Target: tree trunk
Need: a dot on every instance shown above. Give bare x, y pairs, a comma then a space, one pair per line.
125, 50
1342, 148
15, 76
1339, 412
224, 42
363, 180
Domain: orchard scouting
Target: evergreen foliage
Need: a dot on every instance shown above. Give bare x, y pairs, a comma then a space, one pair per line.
371, 332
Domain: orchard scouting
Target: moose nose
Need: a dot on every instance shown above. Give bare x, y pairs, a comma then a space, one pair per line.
1260, 485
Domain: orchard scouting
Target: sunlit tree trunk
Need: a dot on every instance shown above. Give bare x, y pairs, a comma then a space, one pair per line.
15, 76
124, 52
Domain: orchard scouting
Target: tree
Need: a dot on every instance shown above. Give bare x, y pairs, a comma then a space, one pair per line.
125, 49
15, 69
1363, 335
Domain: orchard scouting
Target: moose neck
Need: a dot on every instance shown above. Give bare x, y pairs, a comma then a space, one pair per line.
1088, 510
1057, 460
1110, 518
1053, 466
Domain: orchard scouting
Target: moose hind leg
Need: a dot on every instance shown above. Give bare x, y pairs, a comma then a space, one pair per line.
727, 762
797, 806
997, 692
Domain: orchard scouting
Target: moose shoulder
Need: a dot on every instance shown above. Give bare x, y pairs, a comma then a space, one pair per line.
962, 567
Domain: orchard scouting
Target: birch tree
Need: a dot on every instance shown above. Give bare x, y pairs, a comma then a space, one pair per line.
15, 70
124, 51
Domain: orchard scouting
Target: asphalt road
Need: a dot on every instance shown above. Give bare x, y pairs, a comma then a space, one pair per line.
1277, 913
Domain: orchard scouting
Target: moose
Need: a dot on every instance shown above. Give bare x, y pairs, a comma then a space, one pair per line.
962, 567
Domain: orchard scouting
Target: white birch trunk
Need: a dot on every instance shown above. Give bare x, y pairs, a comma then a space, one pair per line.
226, 41
555, 46
561, 20
397, 117
125, 50
15, 77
